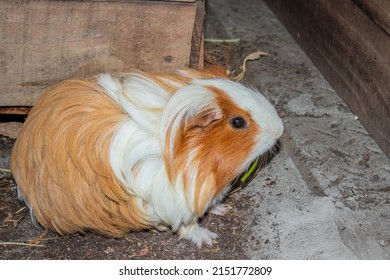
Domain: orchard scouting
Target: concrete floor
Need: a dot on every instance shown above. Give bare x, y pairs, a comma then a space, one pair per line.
328, 194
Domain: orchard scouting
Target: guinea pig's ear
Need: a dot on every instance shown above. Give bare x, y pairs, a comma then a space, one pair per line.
206, 118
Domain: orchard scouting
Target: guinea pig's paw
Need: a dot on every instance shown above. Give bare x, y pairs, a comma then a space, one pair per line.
162, 227
197, 234
219, 209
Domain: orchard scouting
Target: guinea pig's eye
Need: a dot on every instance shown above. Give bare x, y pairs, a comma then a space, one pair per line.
238, 122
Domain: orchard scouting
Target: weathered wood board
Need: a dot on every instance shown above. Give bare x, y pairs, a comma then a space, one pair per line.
44, 42
350, 44
378, 11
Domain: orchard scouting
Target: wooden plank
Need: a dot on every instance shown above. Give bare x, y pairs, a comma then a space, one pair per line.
378, 11
350, 50
196, 57
43, 42
14, 110
178, 1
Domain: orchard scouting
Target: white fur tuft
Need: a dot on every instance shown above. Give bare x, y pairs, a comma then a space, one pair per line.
187, 101
110, 84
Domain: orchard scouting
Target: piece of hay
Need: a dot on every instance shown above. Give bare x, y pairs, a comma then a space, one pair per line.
253, 56
5, 170
226, 41
38, 239
21, 244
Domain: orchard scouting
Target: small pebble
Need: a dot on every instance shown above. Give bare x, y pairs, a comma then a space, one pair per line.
339, 204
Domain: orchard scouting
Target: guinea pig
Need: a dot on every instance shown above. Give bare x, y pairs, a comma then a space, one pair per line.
143, 150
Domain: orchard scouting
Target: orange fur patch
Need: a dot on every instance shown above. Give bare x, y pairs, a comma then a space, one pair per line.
222, 149
61, 163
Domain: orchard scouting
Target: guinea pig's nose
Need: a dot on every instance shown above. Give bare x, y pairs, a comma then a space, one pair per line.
279, 129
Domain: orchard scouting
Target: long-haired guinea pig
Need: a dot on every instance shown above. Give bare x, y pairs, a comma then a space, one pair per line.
139, 151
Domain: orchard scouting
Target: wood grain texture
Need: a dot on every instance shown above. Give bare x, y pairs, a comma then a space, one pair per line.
378, 11
44, 42
350, 50
197, 57
14, 110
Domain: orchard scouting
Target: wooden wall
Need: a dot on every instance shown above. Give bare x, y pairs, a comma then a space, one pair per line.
349, 41
44, 42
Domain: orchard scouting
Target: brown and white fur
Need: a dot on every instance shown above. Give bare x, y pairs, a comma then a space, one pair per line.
144, 150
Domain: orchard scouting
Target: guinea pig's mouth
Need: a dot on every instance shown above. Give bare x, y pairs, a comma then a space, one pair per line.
246, 177
254, 168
